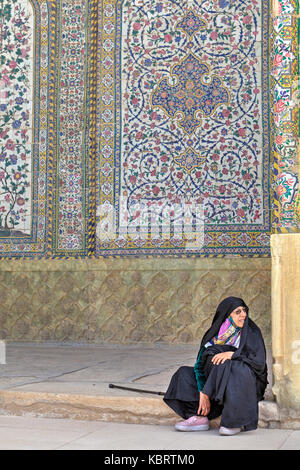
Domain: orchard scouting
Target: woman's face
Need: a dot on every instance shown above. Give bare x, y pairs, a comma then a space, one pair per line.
238, 316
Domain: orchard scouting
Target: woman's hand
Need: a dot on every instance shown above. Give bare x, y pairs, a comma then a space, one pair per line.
204, 405
222, 357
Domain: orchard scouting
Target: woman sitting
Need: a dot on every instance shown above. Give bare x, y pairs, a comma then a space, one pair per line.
229, 377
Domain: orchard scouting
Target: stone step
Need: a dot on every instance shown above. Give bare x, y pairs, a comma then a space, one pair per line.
72, 381
125, 409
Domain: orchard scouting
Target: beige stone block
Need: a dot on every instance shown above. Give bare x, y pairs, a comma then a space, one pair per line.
286, 318
268, 411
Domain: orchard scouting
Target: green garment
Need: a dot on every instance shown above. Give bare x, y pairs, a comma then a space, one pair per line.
198, 369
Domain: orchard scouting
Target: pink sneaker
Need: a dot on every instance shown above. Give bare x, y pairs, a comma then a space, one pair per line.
229, 431
194, 423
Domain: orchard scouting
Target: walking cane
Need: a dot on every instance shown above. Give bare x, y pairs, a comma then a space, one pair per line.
135, 389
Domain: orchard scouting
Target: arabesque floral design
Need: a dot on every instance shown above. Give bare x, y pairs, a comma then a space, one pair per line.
196, 93
228, 39
53, 166
15, 117
285, 115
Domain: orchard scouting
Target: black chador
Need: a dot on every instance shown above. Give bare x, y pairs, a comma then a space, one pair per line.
234, 387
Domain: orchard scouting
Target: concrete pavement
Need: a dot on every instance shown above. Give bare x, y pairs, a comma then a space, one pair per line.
31, 433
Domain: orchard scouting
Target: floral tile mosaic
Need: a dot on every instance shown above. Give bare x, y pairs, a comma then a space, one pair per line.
23, 131
183, 127
284, 86
45, 125
146, 127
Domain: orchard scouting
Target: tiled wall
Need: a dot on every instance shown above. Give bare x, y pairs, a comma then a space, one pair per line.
149, 127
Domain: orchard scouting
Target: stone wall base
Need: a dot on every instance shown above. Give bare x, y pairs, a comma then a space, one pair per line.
272, 417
